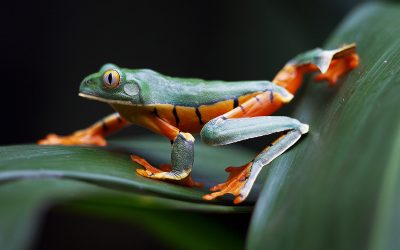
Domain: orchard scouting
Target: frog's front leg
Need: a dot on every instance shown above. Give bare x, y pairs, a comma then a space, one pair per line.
222, 131
182, 155
93, 135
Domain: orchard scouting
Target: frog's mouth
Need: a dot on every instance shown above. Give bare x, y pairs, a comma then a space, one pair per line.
100, 99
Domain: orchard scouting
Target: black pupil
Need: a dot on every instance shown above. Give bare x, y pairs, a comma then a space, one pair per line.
110, 78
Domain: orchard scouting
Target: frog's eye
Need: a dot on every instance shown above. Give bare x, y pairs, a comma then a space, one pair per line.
111, 79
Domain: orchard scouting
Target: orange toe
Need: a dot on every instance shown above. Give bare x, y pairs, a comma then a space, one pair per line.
139, 160
238, 199
234, 184
149, 172
338, 68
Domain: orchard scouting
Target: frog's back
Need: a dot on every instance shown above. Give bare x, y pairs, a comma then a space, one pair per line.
190, 103
156, 88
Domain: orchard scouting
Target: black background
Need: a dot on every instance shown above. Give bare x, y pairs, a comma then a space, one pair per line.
48, 47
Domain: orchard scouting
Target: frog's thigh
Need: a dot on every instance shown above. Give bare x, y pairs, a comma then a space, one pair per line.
221, 131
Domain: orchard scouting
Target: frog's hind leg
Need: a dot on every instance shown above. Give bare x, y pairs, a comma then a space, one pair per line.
220, 131
250, 120
331, 64
93, 135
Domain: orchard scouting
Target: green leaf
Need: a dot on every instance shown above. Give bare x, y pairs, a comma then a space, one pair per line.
113, 167
23, 204
177, 229
34, 178
338, 187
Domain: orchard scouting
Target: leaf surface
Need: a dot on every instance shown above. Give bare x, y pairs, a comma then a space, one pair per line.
338, 187
103, 180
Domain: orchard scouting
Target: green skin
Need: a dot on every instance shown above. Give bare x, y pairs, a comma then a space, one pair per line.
145, 86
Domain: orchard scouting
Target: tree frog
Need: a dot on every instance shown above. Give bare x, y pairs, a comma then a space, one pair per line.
222, 112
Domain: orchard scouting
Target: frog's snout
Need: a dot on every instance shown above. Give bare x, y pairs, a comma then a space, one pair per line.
87, 82
87, 85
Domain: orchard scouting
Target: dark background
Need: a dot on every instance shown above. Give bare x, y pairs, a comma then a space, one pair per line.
48, 47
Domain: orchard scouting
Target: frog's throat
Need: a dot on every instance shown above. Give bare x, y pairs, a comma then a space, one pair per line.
100, 99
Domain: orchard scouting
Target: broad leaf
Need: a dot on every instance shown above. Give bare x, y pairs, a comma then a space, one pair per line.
113, 167
23, 204
338, 187
33, 178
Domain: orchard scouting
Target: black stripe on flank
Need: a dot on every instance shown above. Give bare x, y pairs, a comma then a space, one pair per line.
199, 116
271, 96
224, 118
176, 116
258, 100
235, 102
104, 126
243, 110
155, 112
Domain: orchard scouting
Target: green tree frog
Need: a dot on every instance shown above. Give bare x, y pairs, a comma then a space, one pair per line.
222, 112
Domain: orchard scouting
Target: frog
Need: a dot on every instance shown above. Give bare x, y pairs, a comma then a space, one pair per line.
222, 112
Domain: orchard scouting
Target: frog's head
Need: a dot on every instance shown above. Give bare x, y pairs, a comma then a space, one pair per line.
110, 85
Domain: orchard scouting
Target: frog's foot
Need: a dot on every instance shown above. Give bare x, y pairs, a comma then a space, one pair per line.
82, 137
339, 67
236, 184
164, 173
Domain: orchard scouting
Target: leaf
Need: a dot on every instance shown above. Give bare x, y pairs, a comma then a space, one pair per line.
33, 178
113, 167
23, 204
207, 230
338, 187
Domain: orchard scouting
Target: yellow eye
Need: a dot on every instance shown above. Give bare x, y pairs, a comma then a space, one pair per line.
111, 79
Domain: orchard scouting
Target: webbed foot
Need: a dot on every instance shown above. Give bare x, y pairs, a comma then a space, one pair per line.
81, 137
235, 184
339, 67
164, 173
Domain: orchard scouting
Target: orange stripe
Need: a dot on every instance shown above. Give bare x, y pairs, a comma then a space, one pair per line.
108, 125
259, 105
209, 112
188, 119
165, 112
244, 98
